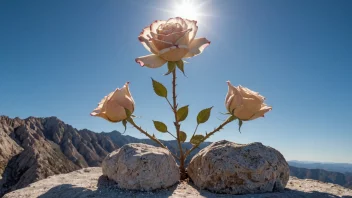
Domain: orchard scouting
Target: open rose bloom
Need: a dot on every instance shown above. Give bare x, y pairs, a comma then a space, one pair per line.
170, 40
245, 103
112, 107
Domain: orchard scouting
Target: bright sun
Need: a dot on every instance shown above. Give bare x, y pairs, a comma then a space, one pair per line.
187, 9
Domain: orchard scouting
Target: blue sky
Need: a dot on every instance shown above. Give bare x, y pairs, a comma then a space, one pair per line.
59, 58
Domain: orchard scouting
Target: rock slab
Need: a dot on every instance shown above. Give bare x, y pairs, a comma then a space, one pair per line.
89, 182
140, 166
227, 167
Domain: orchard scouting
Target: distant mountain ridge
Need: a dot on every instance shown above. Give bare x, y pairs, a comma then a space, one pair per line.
336, 167
32, 149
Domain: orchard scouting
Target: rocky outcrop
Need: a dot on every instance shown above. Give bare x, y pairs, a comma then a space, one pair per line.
89, 182
227, 167
30, 148
141, 167
35, 148
8, 149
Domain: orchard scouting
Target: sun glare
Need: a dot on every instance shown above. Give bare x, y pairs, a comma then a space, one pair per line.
187, 9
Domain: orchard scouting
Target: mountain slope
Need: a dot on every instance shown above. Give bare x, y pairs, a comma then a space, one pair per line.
322, 175
35, 148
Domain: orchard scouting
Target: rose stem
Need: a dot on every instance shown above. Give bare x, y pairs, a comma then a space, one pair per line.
150, 136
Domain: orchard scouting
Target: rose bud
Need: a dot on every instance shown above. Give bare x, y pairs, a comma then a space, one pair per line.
112, 107
244, 103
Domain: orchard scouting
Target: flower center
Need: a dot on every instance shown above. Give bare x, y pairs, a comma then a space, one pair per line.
169, 28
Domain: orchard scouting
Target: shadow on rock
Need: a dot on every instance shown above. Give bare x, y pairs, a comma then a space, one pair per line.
68, 190
105, 188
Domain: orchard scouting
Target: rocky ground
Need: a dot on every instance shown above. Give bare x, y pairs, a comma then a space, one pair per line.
89, 182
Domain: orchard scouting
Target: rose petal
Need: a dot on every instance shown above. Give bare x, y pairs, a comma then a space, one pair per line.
127, 92
170, 38
178, 20
197, 46
243, 113
144, 38
184, 40
237, 100
160, 45
102, 115
251, 104
115, 112
229, 93
101, 109
173, 53
228, 101
233, 98
261, 112
191, 24
149, 46
151, 61
251, 94
122, 98
145, 34
155, 25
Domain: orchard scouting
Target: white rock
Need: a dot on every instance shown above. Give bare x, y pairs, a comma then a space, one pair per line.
227, 167
141, 167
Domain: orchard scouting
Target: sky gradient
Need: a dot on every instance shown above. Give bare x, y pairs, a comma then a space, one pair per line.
60, 58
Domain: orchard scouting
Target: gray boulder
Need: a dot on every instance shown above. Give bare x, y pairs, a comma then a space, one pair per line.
141, 167
227, 167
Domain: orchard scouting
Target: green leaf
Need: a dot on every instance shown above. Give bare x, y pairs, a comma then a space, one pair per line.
161, 127
203, 115
240, 122
232, 118
171, 67
124, 122
182, 136
128, 112
180, 66
159, 89
197, 139
182, 113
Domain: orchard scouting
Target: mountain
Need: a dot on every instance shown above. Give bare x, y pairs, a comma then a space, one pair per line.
32, 149
322, 175
336, 167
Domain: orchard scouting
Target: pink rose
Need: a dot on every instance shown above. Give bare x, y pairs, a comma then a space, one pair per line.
170, 40
246, 104
112, 107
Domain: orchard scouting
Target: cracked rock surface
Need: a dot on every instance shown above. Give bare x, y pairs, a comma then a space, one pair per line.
140, 166
227, 167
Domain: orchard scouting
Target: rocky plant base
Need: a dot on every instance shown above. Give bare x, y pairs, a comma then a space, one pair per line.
89, 182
